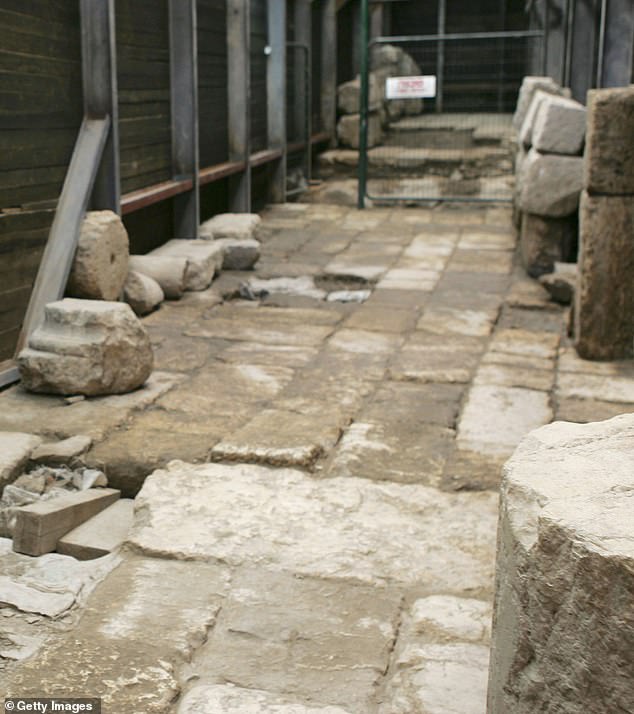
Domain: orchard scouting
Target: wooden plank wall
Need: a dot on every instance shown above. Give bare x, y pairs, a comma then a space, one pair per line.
259, 39
212, 81
143, 75
40, 115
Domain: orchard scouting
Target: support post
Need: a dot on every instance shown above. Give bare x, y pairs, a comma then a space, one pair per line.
583, 50
363, 128
616, 60
276, 94
555, 39
328, 67
440, 54
238, 101
301, 49
184, 103
99, 78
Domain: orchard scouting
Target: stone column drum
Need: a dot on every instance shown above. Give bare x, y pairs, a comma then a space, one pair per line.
563, 624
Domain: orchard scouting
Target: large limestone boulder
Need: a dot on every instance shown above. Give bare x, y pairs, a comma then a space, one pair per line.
349, 95
169, 271
560, 126
610, 142
239, 254
563, 622
86, 347
100, 267
529, 86
240, 226
348, 130
204, 260
550, 185
525, 134
604, 304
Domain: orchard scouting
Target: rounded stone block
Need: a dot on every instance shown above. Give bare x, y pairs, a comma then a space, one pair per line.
170, 272
100, 267
142, 293
549, 184
563, 621
86, 347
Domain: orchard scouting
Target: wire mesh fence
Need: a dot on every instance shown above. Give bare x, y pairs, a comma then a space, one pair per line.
453, 140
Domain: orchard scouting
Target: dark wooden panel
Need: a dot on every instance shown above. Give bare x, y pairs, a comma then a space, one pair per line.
259, 35
212, 82
150, 227
143, 75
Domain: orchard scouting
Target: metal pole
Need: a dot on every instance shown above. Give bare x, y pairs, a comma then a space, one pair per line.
570, 20
616, 57
501, 63
440, 56
328, 67
276, 93
601, 51
546, 29
302, 76
363, 117
184, 108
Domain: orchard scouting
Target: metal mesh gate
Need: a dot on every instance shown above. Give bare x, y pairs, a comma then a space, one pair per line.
436, 115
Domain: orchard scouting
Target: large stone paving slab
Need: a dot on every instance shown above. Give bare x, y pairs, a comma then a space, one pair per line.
337, 528
320, 642
139, 625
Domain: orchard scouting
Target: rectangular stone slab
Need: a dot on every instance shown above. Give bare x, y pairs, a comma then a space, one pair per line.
101, 534
39, 526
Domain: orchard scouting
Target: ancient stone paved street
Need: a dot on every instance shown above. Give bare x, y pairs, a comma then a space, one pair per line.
323, 539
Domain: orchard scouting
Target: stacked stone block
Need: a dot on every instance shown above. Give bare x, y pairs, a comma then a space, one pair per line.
387, 61
604, 305
549, 167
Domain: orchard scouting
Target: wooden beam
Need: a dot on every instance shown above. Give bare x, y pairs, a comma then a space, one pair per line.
184, 110
266, 157
238, 98
276, 94
99, 76
328, 67
144, 197
220, 171
57, 259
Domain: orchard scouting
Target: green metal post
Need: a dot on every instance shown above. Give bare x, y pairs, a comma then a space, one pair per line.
363, 117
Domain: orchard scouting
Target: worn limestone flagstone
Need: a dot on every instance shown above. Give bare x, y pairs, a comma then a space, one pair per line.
15, 450
289, 521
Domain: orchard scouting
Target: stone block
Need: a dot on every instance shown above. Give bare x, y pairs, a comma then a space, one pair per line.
86, 347
15, 451
168, 271
101, 260
550, 185
563, 621
348, 130
204, 260
609, 166
604, 304
544, 241
101, 534
560, 126
529, 86
239, 254
142, 293
561, 282
38, 527
239, 226
349, 95
525, 134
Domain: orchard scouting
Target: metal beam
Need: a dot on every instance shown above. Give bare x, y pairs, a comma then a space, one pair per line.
302, 38
238, 101
583, 50
440, 54
184, 109
59, 253
555, 39
328, 67
99, 77
616, 59
276, 94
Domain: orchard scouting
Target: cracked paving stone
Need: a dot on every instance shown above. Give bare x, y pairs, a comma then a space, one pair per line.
495, 419
94, 417
428, 357
142, 622
476, 261
525, 343
513, 318
487, 240
441, 659
382, 450
279, 437
364, 341
472, 471
282, 519
381, 319
586, 410
511, 376
531, 295
594, 386
323, 642
447, 320
229, 699
569, 361
269, 355
474, 283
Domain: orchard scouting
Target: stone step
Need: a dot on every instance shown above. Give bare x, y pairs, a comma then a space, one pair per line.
100, 535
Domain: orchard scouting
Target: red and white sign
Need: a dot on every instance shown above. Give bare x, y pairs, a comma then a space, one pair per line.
423, 87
